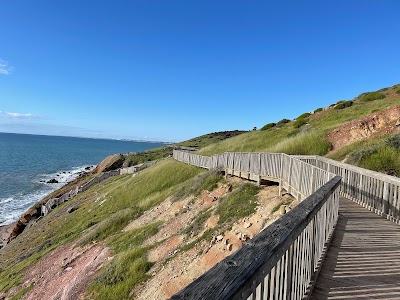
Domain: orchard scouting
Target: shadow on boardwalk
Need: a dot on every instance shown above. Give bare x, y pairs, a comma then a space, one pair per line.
363, 261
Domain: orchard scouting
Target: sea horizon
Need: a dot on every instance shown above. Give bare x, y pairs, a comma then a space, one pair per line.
95, 138
28, 161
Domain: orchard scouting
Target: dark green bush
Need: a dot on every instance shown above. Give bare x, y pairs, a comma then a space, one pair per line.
372, 96
360, 154
318, 109
398, 91
384, 160
343, 104
393, 141
268, 126
305, 115
282, 122
299, 122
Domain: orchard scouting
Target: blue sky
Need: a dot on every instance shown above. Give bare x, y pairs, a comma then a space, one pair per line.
172, 70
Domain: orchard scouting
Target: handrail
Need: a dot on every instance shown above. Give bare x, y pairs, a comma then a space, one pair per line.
375, 191
281, 261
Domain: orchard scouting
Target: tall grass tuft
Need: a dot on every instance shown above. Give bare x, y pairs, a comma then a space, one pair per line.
119, 276
310, 143
202, 182
111, 225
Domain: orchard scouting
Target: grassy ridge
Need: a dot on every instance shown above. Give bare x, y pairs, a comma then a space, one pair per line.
103, 211
306, 139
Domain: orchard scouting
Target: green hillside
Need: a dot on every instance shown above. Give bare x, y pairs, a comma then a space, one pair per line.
307, 134
104, 210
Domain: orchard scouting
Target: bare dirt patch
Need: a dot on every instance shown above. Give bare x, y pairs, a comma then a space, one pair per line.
377, 124
182, 267
65, 273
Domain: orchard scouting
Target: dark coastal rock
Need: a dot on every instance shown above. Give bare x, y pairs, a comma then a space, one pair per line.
111, 162
87, 168
52, 181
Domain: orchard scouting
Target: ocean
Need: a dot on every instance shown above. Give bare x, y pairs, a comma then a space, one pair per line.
27, 162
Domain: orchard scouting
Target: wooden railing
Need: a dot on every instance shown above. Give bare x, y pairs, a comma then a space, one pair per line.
282, 261
296, 176
375, 191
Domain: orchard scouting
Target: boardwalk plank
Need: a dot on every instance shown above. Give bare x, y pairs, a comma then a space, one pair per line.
363, 261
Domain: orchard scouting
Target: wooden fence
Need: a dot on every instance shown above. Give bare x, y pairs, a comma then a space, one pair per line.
375, 191
282, 261
296, 176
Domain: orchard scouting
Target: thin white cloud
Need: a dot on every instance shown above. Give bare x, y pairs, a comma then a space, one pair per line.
15, 115
5, 69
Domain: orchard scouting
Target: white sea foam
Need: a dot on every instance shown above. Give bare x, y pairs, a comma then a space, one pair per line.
11, 208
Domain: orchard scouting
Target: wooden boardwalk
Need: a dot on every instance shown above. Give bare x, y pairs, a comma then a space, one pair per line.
363, 261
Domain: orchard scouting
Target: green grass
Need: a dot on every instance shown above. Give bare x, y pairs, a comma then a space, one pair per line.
103, 211
300, 122
121, 275
240, 203
309, 143
385, 159
197, 142
372, 96
381, 154
202, 182
129, 266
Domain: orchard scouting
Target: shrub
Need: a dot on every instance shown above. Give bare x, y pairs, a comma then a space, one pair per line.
393, 141
268, 126
282, 122
343, 104
299, 122
318, 109
360, 154
385, 160
372, 96
398, 91
305, 115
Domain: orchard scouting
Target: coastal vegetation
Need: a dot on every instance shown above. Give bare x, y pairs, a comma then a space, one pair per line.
194, 143
103, 213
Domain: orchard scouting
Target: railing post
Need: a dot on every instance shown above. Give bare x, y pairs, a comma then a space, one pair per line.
385, 198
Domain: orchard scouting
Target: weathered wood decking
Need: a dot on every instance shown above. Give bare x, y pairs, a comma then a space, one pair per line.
363, 260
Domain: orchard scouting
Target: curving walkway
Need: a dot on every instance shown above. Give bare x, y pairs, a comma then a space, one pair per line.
363, 260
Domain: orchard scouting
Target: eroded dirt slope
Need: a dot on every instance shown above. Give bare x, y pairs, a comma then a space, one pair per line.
377, 124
